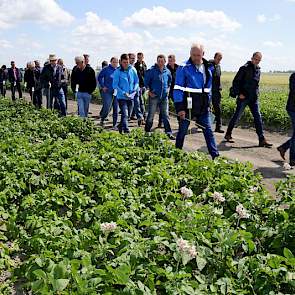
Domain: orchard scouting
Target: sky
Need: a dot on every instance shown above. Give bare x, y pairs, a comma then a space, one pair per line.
33, 29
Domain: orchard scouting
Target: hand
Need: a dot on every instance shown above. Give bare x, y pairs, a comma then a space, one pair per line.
151, 94
104, 89
181, 115
242, 96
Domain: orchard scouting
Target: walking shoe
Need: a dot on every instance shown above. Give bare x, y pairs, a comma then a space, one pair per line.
228, 138
282, 152
101, 123
160, 125
140, 122
264, 143
218, 130
170, 136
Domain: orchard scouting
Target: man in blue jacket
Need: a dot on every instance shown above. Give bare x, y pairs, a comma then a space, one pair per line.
105, 81
158, 80
126, 86
193, 83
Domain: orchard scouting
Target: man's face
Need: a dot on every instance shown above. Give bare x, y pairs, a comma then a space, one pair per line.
60, 62
53, 62
171, 60
197, 56
114, 63
125, 63
13, 65
80, 64
256, 59
140, 57
37, 64
217, 59
132, 59
86, 59
161, 62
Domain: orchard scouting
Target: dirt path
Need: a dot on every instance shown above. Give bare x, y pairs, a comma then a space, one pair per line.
245, 149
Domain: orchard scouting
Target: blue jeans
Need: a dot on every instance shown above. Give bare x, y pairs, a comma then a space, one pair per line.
163, 105
124, 107
205, 121
108, 101
290, 144
254, 108
83, 100
59, 100
136, 107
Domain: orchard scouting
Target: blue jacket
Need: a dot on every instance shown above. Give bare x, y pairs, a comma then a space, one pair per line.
190, 82
105, 78
158, 82
125, 82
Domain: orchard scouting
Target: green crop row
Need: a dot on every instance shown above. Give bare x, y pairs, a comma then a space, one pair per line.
84, 211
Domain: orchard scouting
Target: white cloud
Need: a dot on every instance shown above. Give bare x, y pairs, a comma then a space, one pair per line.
273, 44
100, 36
261, 18
162, 17
4, 44
44, 12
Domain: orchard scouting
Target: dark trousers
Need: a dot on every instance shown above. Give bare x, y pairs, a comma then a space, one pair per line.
36, 97
204, 120
17, 87
125, 106
290, 144
216, 103
2, 89
254, 108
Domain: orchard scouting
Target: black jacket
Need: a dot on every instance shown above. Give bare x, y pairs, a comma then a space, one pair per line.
246, 81
173, 74
216, 77
85, 79
3, 75
32, 77
291, 98
11, 77
47, 75
141, 69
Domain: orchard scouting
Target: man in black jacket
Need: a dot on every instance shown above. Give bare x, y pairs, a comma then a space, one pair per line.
216, 90
3, 80
290, 144
32, 78
52, 76
15, 78
245, 88
83, 83
141, 68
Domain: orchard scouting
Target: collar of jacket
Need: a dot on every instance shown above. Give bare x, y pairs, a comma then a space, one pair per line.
129, 67
249, 63
157, 68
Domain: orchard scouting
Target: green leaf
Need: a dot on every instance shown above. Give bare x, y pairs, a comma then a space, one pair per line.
288, 254
201, 263
60, 284
40, 274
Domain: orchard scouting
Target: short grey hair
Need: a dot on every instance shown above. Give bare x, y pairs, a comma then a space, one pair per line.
197, 46
31, 64
79, 59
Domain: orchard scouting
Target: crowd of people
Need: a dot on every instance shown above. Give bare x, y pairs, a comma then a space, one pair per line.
193, 86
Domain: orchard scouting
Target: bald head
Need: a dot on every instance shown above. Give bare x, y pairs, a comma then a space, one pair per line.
197, 53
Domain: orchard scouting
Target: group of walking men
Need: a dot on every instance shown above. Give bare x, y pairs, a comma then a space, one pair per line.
192, 86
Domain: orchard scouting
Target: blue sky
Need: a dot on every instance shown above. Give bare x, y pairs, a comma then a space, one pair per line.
32, 29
